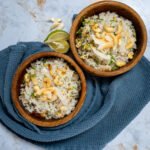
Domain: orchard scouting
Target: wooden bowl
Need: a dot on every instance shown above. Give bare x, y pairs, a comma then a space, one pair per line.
17, 80
122, 10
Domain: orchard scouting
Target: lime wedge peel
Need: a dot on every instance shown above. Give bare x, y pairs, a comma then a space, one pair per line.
59, 46
57, 35
57, 40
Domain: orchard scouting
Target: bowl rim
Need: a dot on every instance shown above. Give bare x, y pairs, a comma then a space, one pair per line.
52, 122
96, 71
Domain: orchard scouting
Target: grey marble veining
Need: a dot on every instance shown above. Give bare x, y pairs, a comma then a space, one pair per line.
23, 20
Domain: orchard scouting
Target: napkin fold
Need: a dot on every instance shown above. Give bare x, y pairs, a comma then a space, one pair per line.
110, 105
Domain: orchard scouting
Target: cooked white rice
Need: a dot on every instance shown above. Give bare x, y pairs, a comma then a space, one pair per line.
50, 89
106, 41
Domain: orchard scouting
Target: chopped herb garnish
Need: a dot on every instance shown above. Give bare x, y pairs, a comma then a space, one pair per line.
74, 87
87, 46
88, 22
23, 82
79, 32
33, 75
134, 34
83, 23
115, 33
33, 67
101, 20
44, 60
115, 67
32, 95
131, 49
112, 60
115, 19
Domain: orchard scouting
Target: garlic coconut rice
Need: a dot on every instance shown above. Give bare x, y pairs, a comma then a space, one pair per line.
106, 41
51, 88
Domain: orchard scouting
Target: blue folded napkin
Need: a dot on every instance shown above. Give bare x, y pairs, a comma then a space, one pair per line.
111, 103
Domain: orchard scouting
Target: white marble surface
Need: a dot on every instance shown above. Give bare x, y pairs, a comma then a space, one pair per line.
23, 20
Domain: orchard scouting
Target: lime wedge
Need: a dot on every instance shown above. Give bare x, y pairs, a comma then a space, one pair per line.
57, 35
61, 46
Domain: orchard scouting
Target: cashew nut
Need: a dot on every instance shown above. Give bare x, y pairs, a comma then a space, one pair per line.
27, 77
119, 28
108, 28
120, 63
107, 45
130, 55
46, 82
34, 80
129, 44
96, 28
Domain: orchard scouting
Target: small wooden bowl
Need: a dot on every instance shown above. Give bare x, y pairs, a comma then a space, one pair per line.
122, 10
17, 80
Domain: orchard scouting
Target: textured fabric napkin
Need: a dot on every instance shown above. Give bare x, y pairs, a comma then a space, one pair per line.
111, 103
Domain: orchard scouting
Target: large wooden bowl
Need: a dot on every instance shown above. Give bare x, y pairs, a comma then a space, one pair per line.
17, 80
122, 10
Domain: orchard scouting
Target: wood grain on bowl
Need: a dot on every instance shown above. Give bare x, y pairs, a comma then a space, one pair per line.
122, 10
18, 78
